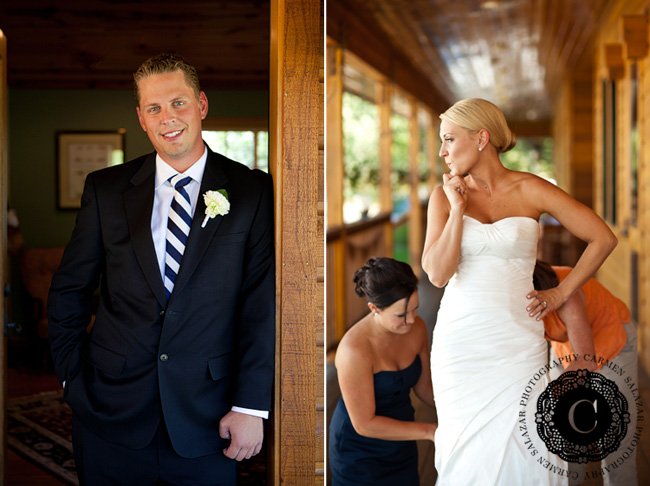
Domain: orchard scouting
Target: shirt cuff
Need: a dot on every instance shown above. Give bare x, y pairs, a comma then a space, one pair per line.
248, 411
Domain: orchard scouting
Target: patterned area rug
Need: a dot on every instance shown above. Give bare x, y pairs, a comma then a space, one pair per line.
39, 428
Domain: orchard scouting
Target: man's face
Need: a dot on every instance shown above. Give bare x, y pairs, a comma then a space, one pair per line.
171, 115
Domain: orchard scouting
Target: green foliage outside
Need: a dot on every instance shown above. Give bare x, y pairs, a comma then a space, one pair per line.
401, 243
400, 163
423, 166
240, 146
263, 151
532, 154
360, 157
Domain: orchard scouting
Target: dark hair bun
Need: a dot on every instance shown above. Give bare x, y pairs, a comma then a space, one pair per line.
383, 281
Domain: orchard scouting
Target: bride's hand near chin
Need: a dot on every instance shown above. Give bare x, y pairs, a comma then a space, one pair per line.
455, 189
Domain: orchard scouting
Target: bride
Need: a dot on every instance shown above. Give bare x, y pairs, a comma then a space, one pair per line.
488, 342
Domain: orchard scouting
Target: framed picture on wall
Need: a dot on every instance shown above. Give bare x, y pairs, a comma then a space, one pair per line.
79, 154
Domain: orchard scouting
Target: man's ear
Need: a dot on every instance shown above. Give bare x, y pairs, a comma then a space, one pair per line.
203, 105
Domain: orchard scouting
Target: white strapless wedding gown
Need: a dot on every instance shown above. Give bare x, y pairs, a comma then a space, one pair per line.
485, 351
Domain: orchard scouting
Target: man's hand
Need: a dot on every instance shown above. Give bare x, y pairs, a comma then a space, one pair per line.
245, 432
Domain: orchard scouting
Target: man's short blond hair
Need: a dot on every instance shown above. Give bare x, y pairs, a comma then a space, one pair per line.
166, 63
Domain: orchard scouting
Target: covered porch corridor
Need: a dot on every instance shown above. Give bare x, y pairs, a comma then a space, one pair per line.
571, 78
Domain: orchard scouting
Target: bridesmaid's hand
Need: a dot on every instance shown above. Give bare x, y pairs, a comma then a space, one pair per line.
544, 302
455, 189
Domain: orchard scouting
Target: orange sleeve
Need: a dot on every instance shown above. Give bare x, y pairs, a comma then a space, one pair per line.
605, 313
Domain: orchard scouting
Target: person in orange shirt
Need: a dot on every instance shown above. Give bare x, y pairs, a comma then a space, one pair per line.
599, 323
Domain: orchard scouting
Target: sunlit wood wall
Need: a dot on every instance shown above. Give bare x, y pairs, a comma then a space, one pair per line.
621, 42
573, 154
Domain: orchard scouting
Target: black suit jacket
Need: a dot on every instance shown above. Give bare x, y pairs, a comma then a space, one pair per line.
187, 360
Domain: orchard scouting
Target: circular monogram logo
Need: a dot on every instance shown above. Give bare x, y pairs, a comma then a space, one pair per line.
582, 416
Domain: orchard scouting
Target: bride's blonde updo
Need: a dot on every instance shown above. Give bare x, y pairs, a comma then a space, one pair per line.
474, 114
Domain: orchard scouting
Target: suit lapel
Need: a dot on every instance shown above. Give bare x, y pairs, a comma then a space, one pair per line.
199, 239
139, 204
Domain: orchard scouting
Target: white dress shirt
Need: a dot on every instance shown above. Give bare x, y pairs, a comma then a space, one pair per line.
162, 201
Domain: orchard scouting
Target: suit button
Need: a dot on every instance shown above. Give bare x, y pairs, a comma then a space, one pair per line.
162, 312
164, 357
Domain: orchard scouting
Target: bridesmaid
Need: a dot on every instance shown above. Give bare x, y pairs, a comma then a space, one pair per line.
379, 360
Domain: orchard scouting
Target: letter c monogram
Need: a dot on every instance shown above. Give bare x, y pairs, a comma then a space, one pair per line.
572, 416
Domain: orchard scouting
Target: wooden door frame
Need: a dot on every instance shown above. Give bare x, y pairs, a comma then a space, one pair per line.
296, 147
4, 141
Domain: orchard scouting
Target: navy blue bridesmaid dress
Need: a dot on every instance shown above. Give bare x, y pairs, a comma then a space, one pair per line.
356, 460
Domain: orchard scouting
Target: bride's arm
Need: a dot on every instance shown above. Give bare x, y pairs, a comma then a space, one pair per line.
582, 223
357, 387
444, 230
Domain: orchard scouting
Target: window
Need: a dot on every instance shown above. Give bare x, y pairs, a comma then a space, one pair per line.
399, 151
424, 154
634, 144
360, 158
399, 173
244, 140
609, 151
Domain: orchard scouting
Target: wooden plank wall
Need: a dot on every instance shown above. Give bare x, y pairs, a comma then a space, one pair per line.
573, 135
297, 163
582, 143
637, 234
642, 236
573, 153
616, 273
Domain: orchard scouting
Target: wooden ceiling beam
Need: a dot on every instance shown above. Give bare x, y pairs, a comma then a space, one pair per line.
634, 29
614, 61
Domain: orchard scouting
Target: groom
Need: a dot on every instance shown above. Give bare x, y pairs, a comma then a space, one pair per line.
171, 382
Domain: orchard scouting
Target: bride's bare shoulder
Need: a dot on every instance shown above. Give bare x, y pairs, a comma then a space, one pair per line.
530, 183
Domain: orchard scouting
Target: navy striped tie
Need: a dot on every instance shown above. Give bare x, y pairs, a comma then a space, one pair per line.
178, 229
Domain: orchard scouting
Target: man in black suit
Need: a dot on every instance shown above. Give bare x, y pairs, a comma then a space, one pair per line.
173, 380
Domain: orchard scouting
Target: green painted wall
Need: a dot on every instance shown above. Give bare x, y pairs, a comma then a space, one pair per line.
36, 115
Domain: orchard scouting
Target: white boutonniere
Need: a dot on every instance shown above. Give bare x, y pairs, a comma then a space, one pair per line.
216, 203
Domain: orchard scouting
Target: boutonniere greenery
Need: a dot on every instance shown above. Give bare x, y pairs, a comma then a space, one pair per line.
216, 203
